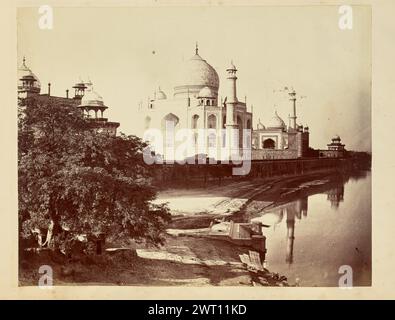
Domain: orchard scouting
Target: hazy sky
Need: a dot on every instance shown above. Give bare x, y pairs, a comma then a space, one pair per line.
128, 52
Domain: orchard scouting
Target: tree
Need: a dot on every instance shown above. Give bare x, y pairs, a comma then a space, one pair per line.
73, 180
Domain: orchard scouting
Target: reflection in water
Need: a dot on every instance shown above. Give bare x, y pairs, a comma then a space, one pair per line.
290, 239
335, 196
299, 208
293, 210
322, 236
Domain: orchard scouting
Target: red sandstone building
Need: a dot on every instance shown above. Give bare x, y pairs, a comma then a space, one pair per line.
335, 149
85, 98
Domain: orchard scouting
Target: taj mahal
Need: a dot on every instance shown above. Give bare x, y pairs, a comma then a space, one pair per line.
218, 123
218, 128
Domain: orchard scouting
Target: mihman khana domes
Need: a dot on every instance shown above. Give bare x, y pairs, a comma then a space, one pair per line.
85, 99
195, 105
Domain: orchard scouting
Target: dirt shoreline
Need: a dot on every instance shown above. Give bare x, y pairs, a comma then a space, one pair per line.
186, 260
235, 198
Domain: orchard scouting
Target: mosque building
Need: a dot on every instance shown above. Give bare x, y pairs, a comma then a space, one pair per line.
277, 141
85, 99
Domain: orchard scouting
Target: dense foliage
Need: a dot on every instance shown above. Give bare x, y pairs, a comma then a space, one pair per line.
75, 181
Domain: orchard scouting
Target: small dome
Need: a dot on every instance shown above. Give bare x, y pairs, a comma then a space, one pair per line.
91, 98
336, 137
206, 92
260, 125
25, 73
160, 95
80, 85
231, 66
276, 122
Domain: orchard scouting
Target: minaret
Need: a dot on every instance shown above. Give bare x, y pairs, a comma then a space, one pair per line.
232, 95
292, 118
231, 102
290, 236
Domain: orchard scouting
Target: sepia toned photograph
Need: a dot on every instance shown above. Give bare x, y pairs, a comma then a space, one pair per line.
195, 146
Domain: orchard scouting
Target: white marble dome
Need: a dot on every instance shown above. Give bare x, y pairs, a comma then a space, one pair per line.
196, 74
206, 92
276, 122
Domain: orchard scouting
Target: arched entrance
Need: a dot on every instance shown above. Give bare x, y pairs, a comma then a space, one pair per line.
170, 120
268, 144
212, 121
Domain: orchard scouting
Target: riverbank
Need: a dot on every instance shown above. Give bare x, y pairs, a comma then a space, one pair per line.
183, 261
186, 259
192, 209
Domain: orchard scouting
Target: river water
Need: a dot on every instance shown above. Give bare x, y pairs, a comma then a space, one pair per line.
311, 238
